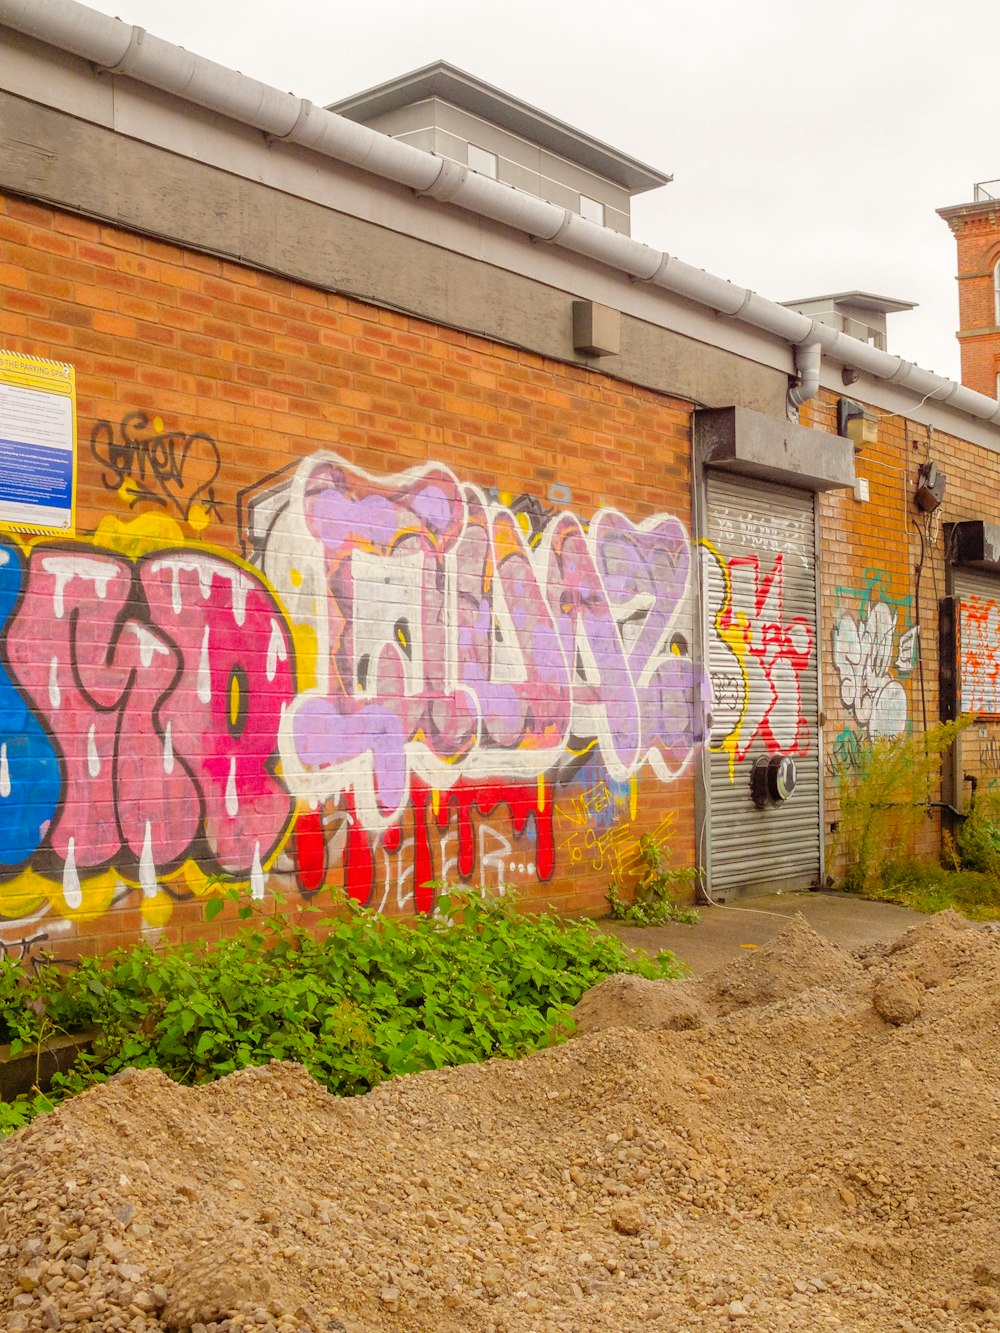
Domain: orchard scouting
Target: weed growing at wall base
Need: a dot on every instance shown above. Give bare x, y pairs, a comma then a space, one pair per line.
365, 999
928, 887
885, 797
652, 899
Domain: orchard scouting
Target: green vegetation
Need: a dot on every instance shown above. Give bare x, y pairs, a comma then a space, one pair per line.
926, 886
884, 799
653, 897
977, 843
360, 1000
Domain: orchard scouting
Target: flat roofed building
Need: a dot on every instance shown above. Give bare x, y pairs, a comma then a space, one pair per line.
448, 112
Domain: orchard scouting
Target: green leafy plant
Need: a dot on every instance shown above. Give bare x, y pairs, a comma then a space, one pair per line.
652, 902
20, 1010
361, 999
977, 840
927, 886
884, 799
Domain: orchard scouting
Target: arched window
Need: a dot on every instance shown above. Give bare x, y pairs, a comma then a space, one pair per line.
996, 292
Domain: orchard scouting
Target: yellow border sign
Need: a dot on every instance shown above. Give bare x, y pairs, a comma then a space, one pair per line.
37, 444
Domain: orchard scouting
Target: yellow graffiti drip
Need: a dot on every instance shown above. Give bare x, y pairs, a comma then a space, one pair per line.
157, 911
235, 701
136, 537
735, 637
198, 517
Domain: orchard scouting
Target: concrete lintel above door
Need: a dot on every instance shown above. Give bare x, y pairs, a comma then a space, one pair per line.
751, 444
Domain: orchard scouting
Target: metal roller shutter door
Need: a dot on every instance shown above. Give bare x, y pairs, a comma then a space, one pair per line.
978, 635
763, 663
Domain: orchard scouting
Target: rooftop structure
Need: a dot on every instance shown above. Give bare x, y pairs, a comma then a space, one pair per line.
862, 315
452, 114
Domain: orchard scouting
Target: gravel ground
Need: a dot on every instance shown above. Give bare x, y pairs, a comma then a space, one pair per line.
805, 1140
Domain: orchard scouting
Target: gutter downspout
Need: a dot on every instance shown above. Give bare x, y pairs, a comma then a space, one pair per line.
808, 359
112, 45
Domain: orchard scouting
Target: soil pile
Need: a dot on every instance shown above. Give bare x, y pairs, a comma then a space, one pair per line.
820, 1151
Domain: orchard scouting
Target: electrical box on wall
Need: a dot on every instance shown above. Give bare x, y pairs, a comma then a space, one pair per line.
861, 489
931, 483
597, 329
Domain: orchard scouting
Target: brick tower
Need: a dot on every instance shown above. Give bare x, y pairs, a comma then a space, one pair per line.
976, 227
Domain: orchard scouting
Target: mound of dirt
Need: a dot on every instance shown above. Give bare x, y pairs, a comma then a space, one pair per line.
792, 1164
797, 974
796, 960
636, 1002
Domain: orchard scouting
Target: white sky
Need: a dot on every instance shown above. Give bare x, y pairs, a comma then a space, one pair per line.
810, 144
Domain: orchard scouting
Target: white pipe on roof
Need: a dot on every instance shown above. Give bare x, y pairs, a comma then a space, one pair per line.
128, 50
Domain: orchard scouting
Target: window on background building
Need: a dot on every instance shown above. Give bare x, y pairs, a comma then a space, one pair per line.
996, 394
482, 161
996, 292
592, 210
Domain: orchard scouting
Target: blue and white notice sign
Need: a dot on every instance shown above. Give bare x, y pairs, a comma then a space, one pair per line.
37, 444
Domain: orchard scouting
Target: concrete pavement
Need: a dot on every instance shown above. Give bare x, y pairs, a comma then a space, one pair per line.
724, 933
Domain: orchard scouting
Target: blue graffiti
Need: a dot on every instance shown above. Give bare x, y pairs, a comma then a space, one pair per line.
30, 781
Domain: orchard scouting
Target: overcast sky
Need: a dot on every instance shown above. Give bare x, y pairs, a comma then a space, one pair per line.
810, 144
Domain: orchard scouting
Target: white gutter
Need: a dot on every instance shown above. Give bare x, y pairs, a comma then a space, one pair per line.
123, 49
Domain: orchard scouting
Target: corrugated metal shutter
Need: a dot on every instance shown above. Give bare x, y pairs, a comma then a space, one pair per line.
978, 594
760, 597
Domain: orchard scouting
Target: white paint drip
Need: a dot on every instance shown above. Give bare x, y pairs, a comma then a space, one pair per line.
168, 751
204, 672
65, 568
149, 643
55, 695
147, 866
4, 773
93, 758
72, 891
206, 569
241, 586
256, 874
232, 799
276, 651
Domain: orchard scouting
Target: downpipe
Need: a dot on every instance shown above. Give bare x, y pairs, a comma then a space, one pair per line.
808, 359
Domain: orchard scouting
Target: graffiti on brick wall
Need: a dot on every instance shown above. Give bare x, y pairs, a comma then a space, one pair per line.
597, 819
140, 704
395, 687
143, 461
874, 651
757, 656
989, 754
467, 651
979, 655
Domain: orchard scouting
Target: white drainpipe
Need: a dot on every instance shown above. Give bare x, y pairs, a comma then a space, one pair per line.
808, 359
123, 49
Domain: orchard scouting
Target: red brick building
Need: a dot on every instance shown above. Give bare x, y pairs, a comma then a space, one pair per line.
976, 228
425, 527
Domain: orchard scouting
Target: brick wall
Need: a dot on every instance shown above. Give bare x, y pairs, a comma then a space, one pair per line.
360, 602
871, 554
978, 244
258, 662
